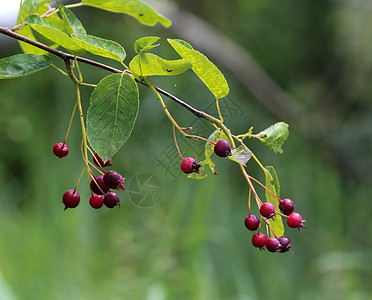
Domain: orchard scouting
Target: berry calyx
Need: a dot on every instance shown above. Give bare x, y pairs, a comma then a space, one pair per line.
222, 148
259, 240
190, 165
71, 199
114, 180
60, 150
285, 244
272, 244
252, 222
101, 188
99, 162
286, 206
111, 200
96, 201
294, 220
267, 210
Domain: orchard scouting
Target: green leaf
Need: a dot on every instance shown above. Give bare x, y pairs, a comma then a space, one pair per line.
138, 9
52, 33
101, 47
22, 64
274, 136
41, 2
272, 183
240, 155
145, 44
112, 114
148, 64
72, 24
203, 68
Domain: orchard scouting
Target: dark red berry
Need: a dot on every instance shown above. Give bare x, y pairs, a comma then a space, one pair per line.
101, 184
96, 201
286, 206
267, 210
99, 162
294, 220
252, 222
190, 165
113, 180
111, 200
60, 150
259, 240
222, 148
285, 244
272, 244
71, 199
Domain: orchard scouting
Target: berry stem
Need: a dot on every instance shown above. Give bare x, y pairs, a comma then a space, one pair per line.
265, 188
175, 141
81, 174
259, 202
69, 125
249, 201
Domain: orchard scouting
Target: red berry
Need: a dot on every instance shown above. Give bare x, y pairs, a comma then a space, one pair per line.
222, 148
252, 222
285, 244
101, 184
111, 200
113, 180
294, 220
71, 199
259, 240
272, 244
267, 210
286, 206
60, 150
99, 162
96, 201
190, 165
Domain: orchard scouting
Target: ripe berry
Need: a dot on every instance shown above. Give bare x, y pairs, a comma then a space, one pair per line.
113, 180
294, 220
222, 148
286, 206
267, 210
285, 244
96, 201
99, 162
111, 200
94, 187
190, 165
71, 199
252, 222
259, 240
60, 150
272, 244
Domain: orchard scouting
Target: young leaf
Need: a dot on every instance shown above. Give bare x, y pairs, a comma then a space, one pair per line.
145, 44
41, 2
112, 114
203, 68
101, 47
272, 183
22, 64
52, 33
275, 136
72, 24
143, 12
148, 64
240, 155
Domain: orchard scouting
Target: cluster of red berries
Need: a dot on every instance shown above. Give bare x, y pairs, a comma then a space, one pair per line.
100, 185
267, 211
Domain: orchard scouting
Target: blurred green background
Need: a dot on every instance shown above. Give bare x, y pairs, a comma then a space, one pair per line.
192, 244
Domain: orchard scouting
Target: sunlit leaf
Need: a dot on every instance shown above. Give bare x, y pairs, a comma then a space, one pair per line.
240, 155
22, 64
275, 136
112, 114
203, 68
145, 44
101, 47
148, 64
72, 24
138, 9
272, 183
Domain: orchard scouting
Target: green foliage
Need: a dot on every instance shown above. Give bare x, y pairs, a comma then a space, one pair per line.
272, 183
112, 114
274, 136
145, 44
143, 12
148, 64
22, 64
72, 24
203, 68
241, 155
